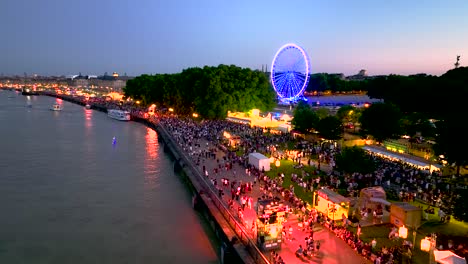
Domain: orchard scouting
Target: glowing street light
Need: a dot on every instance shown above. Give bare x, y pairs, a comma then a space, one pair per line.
171, 110
195, 115
428, 244
403, 232
277, 163
425, 244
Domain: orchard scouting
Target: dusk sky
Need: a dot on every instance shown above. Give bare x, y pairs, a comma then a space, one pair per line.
61, 37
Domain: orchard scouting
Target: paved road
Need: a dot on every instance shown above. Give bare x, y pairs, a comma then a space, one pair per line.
333, 249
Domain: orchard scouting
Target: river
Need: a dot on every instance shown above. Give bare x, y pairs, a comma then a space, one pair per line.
69, 195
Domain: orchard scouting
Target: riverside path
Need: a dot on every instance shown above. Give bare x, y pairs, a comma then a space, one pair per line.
333, 249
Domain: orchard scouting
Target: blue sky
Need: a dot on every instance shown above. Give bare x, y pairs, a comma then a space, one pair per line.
55, 37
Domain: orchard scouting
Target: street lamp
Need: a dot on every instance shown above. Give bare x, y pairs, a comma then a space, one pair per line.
428, 244
403, 232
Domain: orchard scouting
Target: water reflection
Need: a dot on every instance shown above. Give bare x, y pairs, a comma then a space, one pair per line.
88, 118
151, 143
151, 170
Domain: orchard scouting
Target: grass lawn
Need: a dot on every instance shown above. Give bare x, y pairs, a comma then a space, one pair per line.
287, 167
455, 230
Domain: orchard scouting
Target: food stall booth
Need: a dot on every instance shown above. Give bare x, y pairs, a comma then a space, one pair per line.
270, 217
233, 140
402, 213
332, 204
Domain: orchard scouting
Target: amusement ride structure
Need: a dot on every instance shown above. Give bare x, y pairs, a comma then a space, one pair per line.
290, 73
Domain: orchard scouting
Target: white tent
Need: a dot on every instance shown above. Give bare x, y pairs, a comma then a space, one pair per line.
392, 155
448, 257
259, 161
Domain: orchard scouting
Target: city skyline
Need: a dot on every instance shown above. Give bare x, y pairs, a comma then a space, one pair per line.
62, 38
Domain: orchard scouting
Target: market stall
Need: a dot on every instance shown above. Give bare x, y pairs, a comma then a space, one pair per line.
405, 214
270, 218
332, 204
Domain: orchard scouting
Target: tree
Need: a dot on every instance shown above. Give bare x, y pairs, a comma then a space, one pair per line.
417, 123
330, 128
452, 141
209, 91
460, 210
354, 159
322, 112
345, 113
381, 121
304, 118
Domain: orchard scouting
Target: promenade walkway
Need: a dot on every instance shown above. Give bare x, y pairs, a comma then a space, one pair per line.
332, 250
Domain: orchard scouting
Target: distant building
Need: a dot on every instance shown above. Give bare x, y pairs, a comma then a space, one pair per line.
362, 75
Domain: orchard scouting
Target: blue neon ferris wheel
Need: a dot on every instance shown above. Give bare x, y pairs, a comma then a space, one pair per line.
290, 72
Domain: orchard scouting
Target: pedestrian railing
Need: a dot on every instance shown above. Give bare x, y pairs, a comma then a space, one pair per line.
238, 228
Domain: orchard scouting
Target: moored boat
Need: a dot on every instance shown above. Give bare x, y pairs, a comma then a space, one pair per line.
119, 114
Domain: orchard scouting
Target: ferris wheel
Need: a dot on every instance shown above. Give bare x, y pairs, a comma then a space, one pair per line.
290, 72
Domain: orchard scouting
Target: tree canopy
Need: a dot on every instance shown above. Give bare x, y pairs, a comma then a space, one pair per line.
354, 159
330, 128
304, 118
381, 121
321, 82
209, 91
452, 141
422, 97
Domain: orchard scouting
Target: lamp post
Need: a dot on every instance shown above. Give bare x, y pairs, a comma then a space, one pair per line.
403, 232
429, 244
277, 163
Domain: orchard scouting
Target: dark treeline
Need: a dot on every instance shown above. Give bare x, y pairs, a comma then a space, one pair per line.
210, 91
433, 96
322, 82
437, 97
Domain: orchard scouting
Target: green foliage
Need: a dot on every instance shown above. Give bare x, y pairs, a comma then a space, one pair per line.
437, 97
209, 91
304, 118
441, 98
322, 112
460, 210
348, 113
334, 82
417, 122
354, 159
452, 141
381, 121
330, 128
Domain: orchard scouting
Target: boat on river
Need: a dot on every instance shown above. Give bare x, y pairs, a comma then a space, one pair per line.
56, 107
117, 114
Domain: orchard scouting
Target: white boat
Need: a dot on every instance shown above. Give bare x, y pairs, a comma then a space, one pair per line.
87, 106
56, 107
119, 114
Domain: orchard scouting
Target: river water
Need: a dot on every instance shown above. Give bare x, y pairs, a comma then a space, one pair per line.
69, 195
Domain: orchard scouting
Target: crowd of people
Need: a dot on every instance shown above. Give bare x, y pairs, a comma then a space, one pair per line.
405, 181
